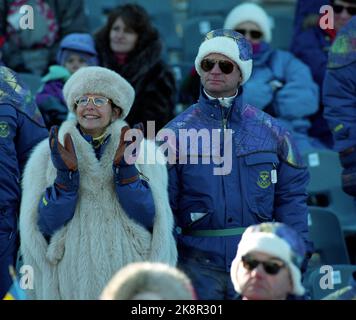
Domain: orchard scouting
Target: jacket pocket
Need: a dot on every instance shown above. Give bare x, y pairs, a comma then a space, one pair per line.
260, 177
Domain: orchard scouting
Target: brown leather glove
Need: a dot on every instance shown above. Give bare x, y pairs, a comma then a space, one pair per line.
63, 158
125, 169
119, 159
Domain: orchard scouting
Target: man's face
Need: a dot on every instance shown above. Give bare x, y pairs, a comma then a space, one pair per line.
257, 284
217, 83
342, 17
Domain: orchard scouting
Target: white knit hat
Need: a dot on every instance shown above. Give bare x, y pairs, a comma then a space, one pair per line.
231, 44
275, 239
101, 81
250, 12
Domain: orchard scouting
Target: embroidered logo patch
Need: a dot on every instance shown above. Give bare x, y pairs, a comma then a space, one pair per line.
4, 129
264, 180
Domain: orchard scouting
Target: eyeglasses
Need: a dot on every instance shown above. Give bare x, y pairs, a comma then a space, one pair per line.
225, 66
338, 8
254, 34
270, 267
98, 101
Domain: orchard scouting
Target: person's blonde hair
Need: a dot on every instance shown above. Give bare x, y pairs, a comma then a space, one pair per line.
159, 280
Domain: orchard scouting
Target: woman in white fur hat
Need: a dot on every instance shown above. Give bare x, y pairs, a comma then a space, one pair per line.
85, 210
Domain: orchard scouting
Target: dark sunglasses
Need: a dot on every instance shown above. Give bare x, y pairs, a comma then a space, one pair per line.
338, 8
254, 34
270, 267
224, 65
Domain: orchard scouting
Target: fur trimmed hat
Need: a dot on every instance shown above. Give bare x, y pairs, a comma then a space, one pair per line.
250, 12
231, 44
275, 239
101, 81
149, 281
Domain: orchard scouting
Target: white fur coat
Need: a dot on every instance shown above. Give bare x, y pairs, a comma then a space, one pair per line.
83, 255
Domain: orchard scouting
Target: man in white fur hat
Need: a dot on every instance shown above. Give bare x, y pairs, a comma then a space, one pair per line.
266, 180
85, 210
268, 263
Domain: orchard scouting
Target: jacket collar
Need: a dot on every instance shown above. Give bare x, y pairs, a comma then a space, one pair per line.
214, 110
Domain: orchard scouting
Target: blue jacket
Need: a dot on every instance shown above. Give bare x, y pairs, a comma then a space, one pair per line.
339, 93
282, 86
247, 195
310, 43
57, 206
21, 128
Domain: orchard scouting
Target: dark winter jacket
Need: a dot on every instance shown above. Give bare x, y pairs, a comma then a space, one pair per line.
21, 128
267, 180
153, 81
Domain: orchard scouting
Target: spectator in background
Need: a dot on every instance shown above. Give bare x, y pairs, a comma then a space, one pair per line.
278, 77
76, 50
33, 50
261, 178
339, 98
149, 281
86, 212
311, 44
21, 128
130, 45
268, 263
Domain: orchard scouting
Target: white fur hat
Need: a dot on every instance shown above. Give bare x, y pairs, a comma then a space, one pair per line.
275, 239
101, 81
231, 44
250, 12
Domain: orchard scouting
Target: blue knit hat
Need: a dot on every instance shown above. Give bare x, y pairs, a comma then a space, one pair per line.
81, 44
231, 44
275, 239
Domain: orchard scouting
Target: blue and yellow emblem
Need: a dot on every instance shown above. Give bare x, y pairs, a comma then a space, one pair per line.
264, 180
4, 129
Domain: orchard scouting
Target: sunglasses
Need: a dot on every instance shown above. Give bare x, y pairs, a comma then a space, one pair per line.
254, 34
225, 66
98, 101
338, 8
270, 267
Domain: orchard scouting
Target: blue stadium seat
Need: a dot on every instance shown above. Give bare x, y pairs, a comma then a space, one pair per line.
322, 282
325, 187
330, 249
211, 7
283, 20
32, 81
194, 30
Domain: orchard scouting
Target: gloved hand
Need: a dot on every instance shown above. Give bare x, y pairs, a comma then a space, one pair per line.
124, 167
119, 158
63, 158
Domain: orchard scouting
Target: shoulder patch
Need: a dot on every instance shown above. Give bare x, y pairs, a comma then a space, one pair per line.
4, 129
